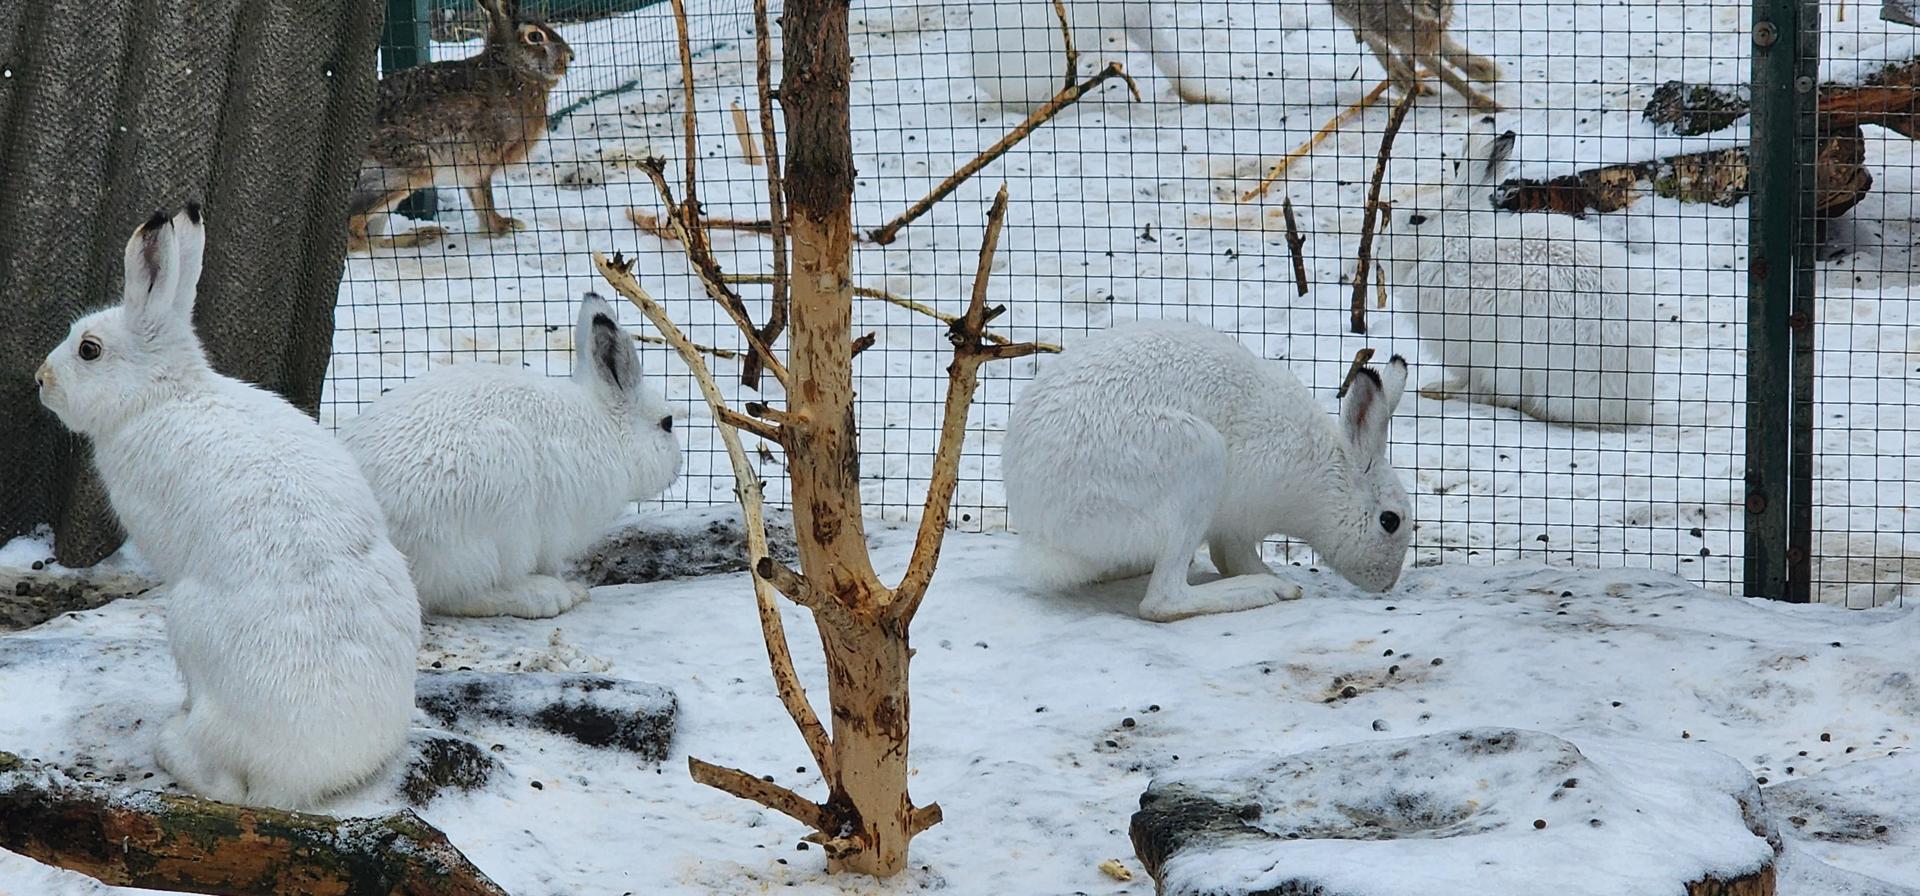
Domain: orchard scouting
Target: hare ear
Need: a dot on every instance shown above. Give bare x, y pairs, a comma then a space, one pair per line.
191, 236
1493, 156
603, 350
150, 289
1370, 403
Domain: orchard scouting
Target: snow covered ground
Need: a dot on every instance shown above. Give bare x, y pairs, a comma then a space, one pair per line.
1039, 719
1125, 209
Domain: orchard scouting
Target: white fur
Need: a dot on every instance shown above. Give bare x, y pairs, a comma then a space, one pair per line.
1527, 311
1142, 442
1019, 58
493, 477
289, 613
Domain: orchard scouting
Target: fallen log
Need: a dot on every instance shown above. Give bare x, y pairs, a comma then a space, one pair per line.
1887, 95
1717, 177
163, 841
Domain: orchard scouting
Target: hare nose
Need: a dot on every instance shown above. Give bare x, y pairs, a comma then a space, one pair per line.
42, 376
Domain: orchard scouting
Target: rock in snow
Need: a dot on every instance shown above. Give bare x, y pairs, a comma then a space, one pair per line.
594, 710
1486, 811
678, 544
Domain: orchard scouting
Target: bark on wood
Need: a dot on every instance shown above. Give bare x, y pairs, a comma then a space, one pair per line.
1717, 177
1888, 96
165, 841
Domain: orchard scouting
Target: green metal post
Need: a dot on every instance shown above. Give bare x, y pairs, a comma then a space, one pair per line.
407, 42
1779, 298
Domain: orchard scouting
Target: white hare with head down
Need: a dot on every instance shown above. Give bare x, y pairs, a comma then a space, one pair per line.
1526, 311
289, 613
1154, 437
493, 477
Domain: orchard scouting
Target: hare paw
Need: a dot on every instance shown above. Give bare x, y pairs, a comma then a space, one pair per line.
1223, 596
419, 236
501, 225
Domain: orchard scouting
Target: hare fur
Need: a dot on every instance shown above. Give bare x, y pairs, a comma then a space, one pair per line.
1143, 442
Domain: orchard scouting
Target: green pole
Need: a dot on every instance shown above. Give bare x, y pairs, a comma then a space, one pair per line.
1779, 299
407, 42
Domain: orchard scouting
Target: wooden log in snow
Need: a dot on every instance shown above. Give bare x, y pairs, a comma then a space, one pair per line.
164, 841
1716, 177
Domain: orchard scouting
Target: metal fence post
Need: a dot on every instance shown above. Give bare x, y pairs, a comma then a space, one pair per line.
407, 42
1780, 230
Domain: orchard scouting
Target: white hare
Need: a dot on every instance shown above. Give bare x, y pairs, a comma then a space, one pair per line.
1144, 441
493, 477
1019, 58
1531, 312
289, 612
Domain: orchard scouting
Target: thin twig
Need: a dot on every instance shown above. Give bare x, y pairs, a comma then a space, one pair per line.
1379, 285
1296, 242
970, 350
711, 277
738, 420
766, 793
1360, 359
1073, 55
1066, 97
654, 225
690, 116
749, 491
1357, 308
749, 153
776, 188
1373, 96
726, 353
867, 292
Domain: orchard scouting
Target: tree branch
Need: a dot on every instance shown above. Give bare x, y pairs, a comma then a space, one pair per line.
711, 277
748, 490
970, 350
867, 292
1300, 152
766, 793
166, 841
776, 186
926, 816
738, 420
1073, 56
788, 582
1357, 308
1066, 97
1296, 241
690, 209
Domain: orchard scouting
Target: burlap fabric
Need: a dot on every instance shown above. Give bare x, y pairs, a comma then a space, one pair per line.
112, 108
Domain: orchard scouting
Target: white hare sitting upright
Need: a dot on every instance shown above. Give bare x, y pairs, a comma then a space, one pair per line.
289, 613
1531, 312
1149, 439
493, 476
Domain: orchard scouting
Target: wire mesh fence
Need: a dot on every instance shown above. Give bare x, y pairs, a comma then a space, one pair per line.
1600, 270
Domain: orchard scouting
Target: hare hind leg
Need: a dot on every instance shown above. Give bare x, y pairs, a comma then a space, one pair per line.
1396, 67
364, 229
483, 205
527, 597
1186, 517
1471, 64
176, 753
1472, 94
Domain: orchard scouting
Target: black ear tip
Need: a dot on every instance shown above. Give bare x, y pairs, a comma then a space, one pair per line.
1372, 374
603, 322
1397, 361
1508, 135
193, 210
157, 220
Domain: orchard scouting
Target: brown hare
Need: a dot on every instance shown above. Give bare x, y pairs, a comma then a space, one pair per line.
1403, 33
457, 123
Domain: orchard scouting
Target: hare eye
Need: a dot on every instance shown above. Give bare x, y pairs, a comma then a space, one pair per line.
89, 349
536, 38
666, 423
1389, 521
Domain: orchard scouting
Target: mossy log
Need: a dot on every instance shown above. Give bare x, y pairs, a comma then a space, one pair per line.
1888, 96
1717, 177
164, 841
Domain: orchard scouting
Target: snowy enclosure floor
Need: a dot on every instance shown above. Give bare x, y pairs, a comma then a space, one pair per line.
1039, 719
